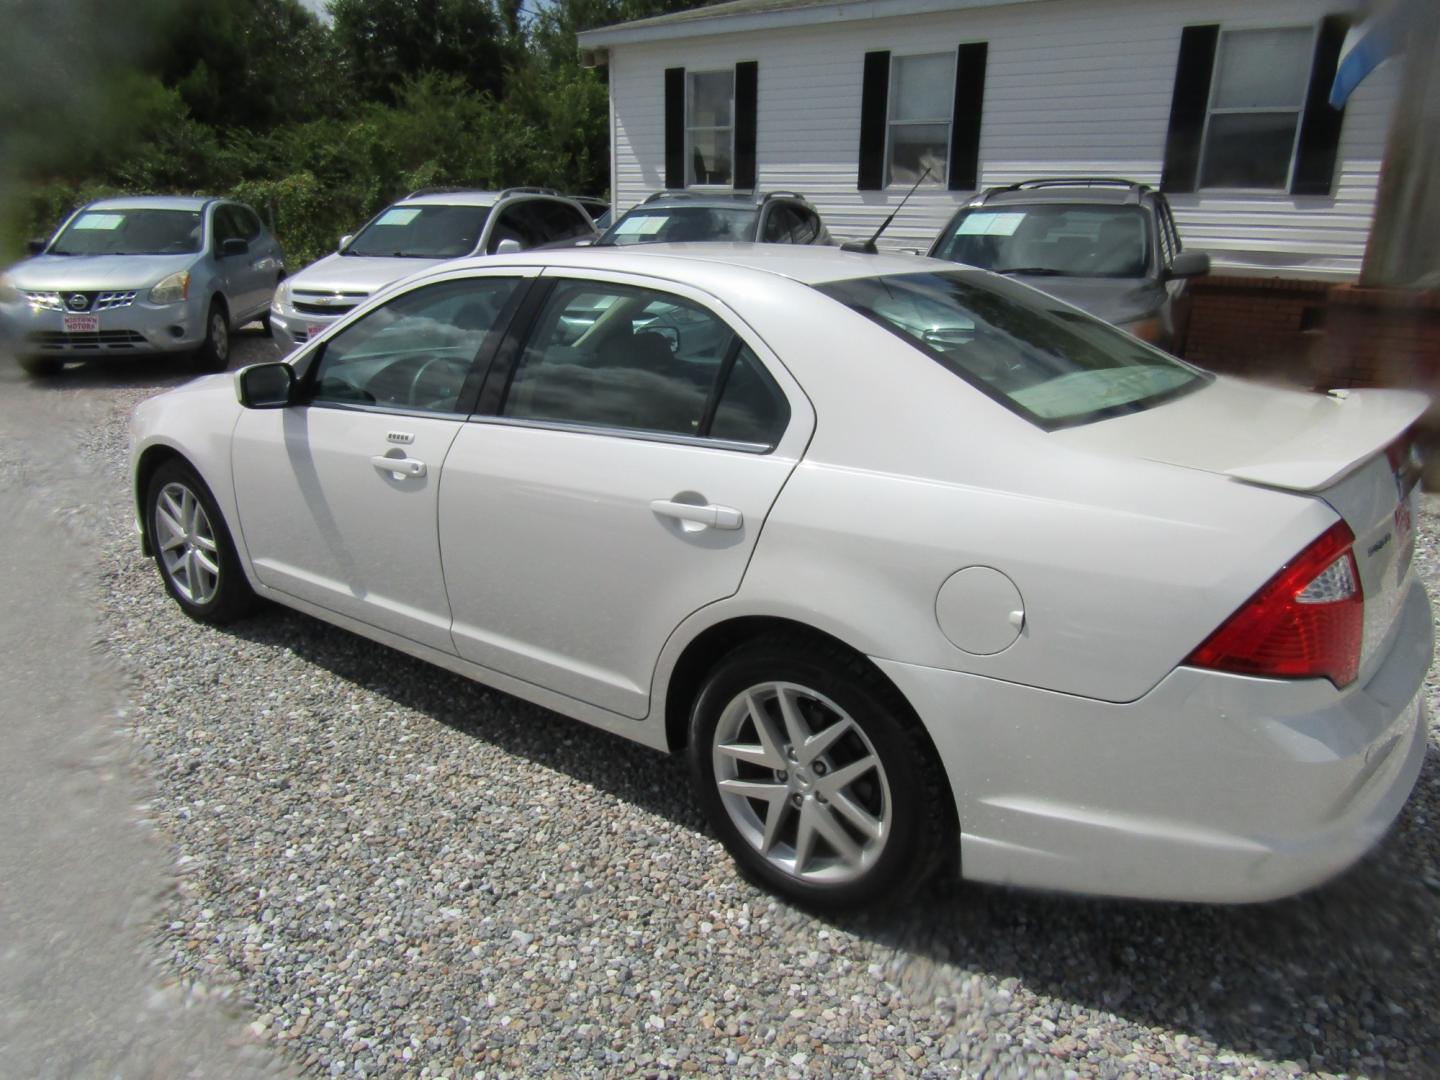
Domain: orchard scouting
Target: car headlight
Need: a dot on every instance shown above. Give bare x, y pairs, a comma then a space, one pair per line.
282, 293
9, 294
171, 290
1149, 329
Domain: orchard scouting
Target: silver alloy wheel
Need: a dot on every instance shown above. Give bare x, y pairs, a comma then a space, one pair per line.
219, 335
802, 783
186, 542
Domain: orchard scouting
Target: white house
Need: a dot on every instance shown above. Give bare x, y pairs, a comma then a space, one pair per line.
1222, 103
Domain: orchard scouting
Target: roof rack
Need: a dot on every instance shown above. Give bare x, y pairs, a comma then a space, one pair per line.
527, 191
1136, 189
784, 195
436, 191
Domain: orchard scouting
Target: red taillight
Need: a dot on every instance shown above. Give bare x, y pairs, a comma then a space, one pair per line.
1305, 622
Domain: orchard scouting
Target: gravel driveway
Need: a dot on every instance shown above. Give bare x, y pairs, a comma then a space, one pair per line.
407, 874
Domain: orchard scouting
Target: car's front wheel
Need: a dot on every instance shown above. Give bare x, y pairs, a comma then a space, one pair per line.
814, 772
193, 549
214, 354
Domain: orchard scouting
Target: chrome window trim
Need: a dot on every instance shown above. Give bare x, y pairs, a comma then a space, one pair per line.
627, 433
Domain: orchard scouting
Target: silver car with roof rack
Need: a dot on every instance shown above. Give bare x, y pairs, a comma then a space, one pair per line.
424, 228
1104, 244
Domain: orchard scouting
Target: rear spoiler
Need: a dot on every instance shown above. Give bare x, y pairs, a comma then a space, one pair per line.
1357, 425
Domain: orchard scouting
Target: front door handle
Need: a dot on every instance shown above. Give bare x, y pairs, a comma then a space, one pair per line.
399, 467
715, 517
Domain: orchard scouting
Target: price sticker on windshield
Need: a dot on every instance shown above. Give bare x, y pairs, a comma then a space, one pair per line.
990, 224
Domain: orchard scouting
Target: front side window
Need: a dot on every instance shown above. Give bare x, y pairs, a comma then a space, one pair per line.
421, 232
1053, 365
122, 231
1257, 96
633, 359
922, 90
415, 352
1040, 240
709, 127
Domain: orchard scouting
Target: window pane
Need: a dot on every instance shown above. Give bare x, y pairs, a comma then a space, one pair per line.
752, 409
710, 96
1250, 150
710, 157
414, 352
422, 232
1260, 68
620, 357
923, 87
913, 147
683, 224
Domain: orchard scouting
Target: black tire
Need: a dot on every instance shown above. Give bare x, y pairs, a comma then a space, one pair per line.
908, 786
228, 596
40, 366
214, 355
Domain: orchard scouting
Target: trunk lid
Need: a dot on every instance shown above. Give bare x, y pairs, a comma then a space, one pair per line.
1328, 446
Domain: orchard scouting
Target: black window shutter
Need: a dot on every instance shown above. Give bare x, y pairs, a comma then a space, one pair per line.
874, 114
675, 127
747, 79
1320, 124
965, 120
1187, 107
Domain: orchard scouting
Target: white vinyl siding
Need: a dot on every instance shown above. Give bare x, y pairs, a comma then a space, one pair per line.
1073, 87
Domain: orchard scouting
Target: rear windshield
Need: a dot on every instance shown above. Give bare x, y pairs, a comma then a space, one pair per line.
1077, 241
678, 224
131, 232
422, 232
1052, 364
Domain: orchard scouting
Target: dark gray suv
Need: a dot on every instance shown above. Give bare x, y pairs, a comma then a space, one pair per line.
671, 217
1106, 245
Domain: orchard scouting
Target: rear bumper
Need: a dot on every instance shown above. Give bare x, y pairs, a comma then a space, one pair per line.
1212, 787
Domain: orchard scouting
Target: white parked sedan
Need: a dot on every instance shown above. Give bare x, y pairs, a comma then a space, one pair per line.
918, 565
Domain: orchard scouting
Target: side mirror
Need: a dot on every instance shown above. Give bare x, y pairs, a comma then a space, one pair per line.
35, 247
234, 246
1188, 264
508, 247
265, 386
345, 241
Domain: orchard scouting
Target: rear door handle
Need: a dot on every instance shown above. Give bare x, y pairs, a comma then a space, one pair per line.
715, 517
402, 467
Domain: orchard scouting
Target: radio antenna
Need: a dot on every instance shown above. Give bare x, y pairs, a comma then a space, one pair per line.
867, 247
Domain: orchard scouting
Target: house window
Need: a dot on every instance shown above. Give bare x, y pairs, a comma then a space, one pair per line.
1257, 96
709, 127
922, 91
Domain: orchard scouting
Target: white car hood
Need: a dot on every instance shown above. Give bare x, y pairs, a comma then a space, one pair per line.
1264, 435
356, 273
97, 272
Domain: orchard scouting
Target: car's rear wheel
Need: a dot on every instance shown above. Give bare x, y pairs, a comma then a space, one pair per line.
814, 772
193, 549
40, 366
214, 354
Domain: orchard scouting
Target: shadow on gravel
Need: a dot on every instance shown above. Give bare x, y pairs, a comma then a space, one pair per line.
1343, 979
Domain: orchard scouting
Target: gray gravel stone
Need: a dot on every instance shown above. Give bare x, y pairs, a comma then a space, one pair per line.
407, 874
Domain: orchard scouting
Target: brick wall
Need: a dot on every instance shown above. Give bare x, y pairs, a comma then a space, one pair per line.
1263, 327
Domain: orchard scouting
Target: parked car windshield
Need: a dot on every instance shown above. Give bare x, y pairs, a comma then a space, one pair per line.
1050, 363
141, 231
678, 224
1081, 241
421, 232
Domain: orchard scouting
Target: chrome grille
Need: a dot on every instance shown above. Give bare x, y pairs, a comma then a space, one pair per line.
331, 304
105, 301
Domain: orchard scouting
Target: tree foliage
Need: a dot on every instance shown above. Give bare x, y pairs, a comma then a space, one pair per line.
318, 126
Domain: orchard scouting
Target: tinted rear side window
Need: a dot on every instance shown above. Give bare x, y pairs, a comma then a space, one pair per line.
1050, 363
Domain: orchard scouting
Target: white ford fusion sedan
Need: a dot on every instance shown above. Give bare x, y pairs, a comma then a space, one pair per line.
919, 566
